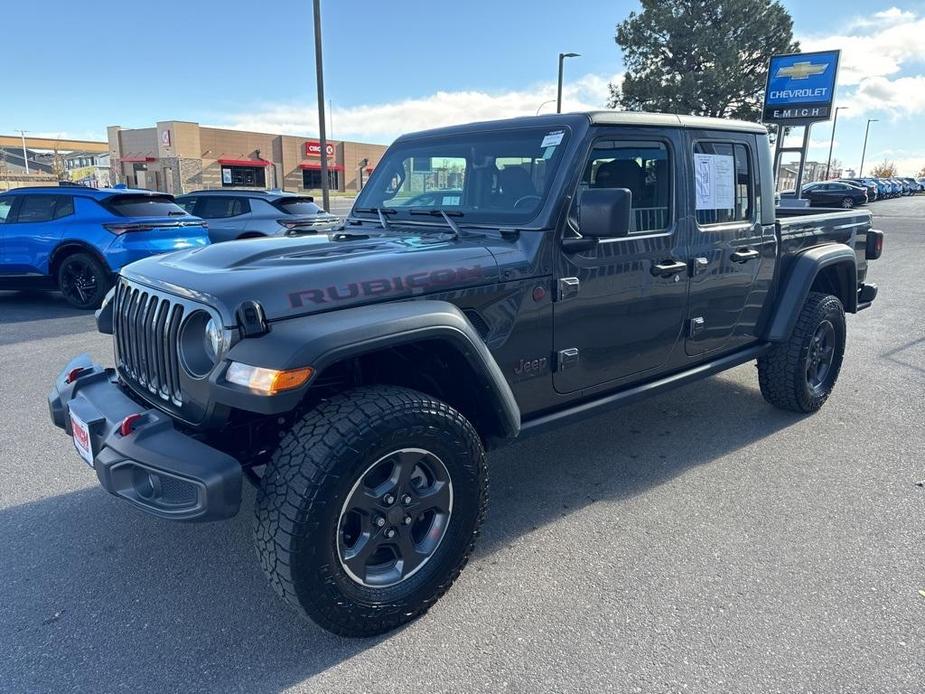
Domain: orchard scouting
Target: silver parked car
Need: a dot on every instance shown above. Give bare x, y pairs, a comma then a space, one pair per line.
246, 214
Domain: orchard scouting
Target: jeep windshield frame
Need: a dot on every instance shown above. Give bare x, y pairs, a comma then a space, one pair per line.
497, 177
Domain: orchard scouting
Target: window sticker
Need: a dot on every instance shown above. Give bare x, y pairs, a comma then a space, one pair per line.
715, 180
450, 199
552, 139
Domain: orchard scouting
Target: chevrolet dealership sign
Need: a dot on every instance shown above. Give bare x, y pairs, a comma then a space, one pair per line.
800, 88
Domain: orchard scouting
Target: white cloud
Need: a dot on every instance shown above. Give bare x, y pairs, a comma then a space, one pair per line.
384, 121
877, 53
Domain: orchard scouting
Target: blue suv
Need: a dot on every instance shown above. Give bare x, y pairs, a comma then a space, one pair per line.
77, 239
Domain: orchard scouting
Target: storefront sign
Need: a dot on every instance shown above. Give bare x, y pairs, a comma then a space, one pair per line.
313, 149
800, 88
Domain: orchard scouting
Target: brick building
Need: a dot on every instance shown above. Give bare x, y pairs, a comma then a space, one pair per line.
179, 157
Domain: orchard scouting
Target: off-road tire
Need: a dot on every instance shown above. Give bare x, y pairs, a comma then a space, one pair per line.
782, 370
92, 272
311, 473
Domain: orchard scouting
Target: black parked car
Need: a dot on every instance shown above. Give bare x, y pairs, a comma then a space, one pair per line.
831, 194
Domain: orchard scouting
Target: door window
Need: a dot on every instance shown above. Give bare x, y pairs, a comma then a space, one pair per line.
724, 185
6, 204
37, 208
644, 169
219, 207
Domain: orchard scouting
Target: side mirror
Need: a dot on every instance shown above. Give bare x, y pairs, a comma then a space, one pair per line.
605, 212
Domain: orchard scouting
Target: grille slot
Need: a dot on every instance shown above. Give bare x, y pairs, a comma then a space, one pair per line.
147, 326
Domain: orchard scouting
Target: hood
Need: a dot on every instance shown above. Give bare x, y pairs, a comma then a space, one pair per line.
293, 276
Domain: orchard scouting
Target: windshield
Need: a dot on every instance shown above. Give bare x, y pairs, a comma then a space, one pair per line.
496, 177
297, 206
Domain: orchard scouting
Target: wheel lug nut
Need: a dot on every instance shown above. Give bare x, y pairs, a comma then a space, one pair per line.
390, 533
406, 499
380, 521
388, 499
407, 520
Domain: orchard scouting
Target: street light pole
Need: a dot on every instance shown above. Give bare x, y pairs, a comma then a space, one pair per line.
864, 151
540, 107
25, 158
562, 57
322, 135
828, 164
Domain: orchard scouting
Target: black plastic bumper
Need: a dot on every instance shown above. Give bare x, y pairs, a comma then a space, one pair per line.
159, 469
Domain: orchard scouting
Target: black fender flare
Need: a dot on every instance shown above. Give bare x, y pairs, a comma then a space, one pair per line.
68, 245
324, 339
799, 280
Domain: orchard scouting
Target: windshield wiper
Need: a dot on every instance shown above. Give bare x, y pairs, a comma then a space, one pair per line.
446, 216
381, 211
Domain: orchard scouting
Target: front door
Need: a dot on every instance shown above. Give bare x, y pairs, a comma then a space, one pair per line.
618, 316
728, 243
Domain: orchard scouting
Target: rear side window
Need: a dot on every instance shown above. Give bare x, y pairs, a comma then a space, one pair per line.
64, 206
724, 184
297, 206
220, 207
143, 206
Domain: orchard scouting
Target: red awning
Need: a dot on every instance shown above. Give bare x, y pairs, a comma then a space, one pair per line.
316, 165
244, 162
138, 160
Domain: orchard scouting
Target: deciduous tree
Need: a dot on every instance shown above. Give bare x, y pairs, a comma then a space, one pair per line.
885, 169
701, 57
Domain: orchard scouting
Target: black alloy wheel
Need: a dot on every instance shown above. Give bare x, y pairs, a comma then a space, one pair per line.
819, 357
83, 281
394, 518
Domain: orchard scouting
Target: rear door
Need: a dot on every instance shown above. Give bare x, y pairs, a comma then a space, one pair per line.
617, 317
728, 243
32, 231
224, 215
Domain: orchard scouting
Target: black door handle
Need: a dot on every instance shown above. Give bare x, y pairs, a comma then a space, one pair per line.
744, 255
667, 268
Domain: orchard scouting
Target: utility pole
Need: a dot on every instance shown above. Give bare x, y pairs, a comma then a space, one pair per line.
864, 151
322, 136
25, 158
828, 164
562, 57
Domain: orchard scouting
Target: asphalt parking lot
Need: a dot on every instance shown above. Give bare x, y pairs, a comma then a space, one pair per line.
699, 541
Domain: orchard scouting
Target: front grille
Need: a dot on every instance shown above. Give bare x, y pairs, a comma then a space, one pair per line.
147, 326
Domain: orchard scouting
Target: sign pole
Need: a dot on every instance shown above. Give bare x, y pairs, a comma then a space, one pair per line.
803, 151
322, 136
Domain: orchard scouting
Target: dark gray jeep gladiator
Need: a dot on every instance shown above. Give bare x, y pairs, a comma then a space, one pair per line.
491, 280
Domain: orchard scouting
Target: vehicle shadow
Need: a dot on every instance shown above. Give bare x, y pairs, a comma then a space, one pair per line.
93, 593
19, 308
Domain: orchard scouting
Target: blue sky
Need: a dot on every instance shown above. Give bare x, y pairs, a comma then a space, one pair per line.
403, 65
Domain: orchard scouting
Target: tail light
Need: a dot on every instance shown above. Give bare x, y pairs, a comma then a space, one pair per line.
130, 227
874, 244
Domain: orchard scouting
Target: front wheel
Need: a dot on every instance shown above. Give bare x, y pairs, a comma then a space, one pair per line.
847, 203
83, 281
370, 507
799, 374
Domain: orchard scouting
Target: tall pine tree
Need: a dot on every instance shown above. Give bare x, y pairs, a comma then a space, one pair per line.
700, 57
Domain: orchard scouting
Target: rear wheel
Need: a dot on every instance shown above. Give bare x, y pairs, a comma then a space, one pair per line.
799, 374
370, 508
847, 203
83, 281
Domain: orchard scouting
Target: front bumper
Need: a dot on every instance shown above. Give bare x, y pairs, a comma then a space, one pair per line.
161, 470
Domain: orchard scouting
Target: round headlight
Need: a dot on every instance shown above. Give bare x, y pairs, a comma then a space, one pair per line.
201, 344
214, 339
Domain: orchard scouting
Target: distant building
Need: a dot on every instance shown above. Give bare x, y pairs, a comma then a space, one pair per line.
179, 157
88, 168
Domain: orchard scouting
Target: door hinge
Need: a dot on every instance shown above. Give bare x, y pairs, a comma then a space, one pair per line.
567, 287
695, 327
566, 358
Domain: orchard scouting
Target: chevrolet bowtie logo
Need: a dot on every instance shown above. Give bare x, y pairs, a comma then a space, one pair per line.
802, 71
